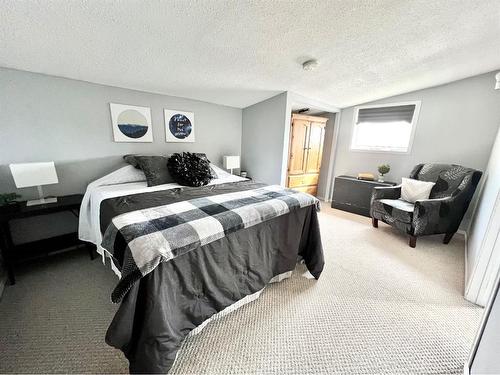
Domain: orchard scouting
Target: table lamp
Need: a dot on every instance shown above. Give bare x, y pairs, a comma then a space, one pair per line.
231, 162
35, 174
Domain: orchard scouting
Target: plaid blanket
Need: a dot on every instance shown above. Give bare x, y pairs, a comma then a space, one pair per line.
159, 234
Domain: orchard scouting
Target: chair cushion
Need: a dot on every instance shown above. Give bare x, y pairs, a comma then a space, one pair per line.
413, 190
395, 208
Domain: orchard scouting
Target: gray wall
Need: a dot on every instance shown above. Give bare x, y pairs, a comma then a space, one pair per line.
46, 118
457, 124
263, 137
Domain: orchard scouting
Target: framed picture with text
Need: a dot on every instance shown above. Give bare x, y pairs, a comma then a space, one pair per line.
179, 126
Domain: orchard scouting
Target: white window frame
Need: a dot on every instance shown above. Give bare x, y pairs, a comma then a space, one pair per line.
416, 113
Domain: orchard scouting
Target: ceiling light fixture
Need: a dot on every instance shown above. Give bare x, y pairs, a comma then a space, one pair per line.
497, 85
310, 64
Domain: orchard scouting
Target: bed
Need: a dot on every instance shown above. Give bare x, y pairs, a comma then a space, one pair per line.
187, 254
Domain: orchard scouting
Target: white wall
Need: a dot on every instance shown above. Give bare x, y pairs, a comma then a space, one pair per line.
457, 124
485, 360
483, 242
327, 162
263, 139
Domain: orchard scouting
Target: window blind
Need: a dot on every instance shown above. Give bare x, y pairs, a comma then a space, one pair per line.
387, 114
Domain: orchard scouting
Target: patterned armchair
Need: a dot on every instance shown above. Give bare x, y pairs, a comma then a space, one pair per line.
440, 214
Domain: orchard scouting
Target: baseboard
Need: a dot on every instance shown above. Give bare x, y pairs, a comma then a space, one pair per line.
466, 269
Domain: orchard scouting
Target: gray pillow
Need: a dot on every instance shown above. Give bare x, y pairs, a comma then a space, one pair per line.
131, 159
155, 169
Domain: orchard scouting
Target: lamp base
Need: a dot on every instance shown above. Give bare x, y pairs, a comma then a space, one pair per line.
36, 202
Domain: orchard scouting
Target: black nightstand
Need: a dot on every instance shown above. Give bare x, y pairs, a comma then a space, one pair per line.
11, 253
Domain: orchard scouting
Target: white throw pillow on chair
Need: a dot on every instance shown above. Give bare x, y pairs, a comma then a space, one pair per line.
413, 190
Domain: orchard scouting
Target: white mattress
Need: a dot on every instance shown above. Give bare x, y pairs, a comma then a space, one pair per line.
115, 185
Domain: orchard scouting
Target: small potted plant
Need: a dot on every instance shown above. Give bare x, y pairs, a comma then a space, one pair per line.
382, 170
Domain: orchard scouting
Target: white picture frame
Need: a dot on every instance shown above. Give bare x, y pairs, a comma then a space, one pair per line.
179, 126
131, 123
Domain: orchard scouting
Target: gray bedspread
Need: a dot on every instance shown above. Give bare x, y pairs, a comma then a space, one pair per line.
160, 310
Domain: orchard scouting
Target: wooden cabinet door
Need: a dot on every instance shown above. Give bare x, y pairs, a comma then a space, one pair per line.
298, 146
315, 147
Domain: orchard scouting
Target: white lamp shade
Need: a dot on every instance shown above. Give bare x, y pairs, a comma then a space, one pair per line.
34, 174
497, 84
231, 162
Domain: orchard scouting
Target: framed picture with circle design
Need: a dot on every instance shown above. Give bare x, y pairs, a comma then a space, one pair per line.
179, 126
131, 123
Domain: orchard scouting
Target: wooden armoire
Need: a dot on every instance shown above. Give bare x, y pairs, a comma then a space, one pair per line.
305, 152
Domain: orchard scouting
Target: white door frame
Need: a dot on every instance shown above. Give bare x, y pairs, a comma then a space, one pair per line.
482, 326
296, 99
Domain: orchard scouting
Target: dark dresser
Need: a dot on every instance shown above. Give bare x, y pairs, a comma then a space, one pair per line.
353, 195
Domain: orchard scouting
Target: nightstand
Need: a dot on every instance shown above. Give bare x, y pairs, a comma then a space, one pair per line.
11, 253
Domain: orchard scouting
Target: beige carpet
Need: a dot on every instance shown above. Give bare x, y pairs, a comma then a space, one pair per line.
379, 307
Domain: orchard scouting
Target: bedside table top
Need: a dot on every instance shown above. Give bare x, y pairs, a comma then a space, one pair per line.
20, 210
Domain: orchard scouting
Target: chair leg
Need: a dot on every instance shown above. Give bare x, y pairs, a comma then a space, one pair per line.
375, 222
412, 241
90, 248
447, 238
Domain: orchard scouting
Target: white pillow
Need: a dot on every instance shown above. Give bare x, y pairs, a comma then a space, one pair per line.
121, 176
221, 173
414, 190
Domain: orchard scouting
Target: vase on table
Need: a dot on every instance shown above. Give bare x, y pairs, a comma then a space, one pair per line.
380, 177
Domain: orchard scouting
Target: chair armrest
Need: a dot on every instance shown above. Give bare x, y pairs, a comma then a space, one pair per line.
435, 216
389, 192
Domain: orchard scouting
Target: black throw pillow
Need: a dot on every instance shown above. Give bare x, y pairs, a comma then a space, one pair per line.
155, 169
189, 169
204, 157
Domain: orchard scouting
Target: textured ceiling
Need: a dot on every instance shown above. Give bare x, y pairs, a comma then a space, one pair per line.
239, 52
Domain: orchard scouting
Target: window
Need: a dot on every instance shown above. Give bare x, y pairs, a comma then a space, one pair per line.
385, 128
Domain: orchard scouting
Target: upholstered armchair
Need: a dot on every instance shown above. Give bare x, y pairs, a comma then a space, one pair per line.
440, 214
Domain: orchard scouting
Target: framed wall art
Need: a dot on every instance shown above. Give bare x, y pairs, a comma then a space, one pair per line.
179, 126
131, 123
